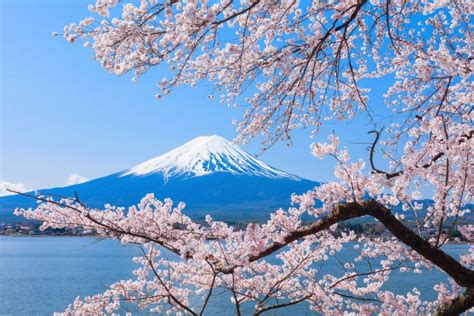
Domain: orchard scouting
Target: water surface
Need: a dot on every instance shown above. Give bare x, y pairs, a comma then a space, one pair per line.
41, 275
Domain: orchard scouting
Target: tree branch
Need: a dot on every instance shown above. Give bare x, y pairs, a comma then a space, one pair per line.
340, 213
395, 174
270, 307
461, 275
457, 305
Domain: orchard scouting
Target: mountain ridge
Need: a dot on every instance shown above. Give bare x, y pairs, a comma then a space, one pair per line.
209, 173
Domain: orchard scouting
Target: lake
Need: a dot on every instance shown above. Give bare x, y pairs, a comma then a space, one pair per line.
41, 275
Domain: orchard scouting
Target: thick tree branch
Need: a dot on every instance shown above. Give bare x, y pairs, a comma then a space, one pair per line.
458, 305
461, 275
340, 213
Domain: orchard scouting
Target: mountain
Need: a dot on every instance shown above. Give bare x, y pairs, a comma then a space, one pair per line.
210, 174
206, 155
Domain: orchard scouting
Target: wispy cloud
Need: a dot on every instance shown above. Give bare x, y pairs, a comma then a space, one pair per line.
75, 179
20, 187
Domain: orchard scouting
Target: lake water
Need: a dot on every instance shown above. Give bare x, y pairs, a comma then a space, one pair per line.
41, 275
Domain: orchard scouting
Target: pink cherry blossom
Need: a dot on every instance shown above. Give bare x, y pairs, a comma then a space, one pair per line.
306, 63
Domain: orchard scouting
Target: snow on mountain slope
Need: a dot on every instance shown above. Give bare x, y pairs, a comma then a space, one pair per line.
205, 155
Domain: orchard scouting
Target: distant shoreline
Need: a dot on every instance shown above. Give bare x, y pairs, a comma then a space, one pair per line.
452, 242
32, 229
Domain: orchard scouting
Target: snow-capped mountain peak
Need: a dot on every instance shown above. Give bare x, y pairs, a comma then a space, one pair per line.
205, 155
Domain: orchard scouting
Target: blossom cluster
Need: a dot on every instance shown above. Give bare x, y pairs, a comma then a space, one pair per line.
306, 62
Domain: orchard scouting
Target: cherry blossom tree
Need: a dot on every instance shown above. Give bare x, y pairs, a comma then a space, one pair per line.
296, 64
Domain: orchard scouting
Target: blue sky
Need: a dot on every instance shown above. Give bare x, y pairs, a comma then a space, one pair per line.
62, 114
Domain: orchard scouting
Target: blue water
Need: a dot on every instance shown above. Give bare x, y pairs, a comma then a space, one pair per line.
41, 275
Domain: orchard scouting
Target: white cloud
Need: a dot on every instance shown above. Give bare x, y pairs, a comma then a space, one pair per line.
75, 179
19, 187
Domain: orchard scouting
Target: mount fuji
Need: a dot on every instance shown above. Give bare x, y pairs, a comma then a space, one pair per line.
209, 173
